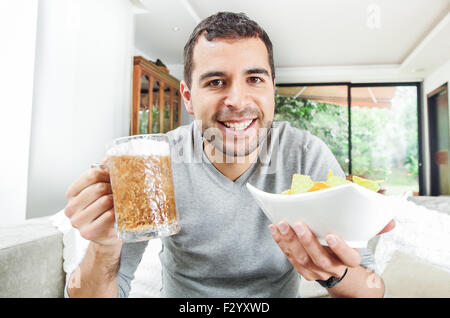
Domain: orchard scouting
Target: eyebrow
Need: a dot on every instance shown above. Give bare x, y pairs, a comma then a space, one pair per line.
211, 74
256, 70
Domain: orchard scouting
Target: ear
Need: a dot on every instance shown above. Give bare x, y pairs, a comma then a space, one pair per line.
186, 93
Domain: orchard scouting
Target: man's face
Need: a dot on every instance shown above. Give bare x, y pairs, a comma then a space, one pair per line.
232, 93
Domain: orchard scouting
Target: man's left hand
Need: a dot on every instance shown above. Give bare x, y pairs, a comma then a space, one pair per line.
312, 260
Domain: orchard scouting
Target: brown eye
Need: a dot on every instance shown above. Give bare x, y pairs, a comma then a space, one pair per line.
216, 83
255, 80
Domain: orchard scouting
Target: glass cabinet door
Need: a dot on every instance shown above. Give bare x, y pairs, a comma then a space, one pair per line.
152, 118
166, 110
155, 99
176, 103
155, 107
144, 105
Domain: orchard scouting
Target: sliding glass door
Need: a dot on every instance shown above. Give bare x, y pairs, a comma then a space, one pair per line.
385, 136
372, 129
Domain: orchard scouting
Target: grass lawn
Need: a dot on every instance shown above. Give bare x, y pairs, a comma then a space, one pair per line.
398, 182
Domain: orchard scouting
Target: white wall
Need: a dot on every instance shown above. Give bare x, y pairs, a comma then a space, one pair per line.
82, 92
17, 52
437, 78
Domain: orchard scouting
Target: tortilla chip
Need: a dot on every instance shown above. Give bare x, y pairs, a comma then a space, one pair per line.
301, 183
369, 184
318, 186
335, 181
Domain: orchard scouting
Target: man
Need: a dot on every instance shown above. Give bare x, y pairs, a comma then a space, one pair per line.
224, 248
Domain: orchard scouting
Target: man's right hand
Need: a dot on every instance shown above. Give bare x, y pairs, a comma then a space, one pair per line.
90, 208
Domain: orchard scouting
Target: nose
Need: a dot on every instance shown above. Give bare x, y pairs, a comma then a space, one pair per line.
237, 96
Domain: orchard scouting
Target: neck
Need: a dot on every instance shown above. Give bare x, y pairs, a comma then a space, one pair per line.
230, 166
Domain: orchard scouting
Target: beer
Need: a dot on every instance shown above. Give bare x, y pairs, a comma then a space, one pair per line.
141, 180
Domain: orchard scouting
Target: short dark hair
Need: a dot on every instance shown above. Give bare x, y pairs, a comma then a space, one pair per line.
224, 25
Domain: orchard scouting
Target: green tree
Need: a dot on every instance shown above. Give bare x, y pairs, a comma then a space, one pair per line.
329, 122
369, 154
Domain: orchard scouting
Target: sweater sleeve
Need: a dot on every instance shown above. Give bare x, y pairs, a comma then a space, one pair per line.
129, 260
317, 159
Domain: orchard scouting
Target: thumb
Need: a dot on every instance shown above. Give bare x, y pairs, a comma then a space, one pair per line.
389, 227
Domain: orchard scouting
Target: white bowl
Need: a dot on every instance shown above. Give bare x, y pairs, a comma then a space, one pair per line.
351, 211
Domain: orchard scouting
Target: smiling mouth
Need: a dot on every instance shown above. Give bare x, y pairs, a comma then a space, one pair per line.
238, 125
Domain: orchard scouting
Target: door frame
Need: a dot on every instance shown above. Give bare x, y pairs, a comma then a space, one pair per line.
432, 137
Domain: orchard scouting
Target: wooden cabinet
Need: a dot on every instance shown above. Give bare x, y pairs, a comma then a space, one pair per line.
156, 106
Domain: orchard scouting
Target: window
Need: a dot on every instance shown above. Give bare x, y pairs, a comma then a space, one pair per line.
372, 129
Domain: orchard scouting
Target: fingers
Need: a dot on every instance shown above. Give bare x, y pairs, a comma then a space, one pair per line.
319, 255
93, 211
389, 227
90, 177
289, 243
101, 229
312, 260
86, 197
346, 254
91, 207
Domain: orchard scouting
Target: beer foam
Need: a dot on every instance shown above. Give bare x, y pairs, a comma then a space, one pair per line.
140, 147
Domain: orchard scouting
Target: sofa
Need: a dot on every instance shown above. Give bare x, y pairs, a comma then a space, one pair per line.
34, 259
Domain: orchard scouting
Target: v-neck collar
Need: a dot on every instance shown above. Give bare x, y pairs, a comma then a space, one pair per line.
223, 179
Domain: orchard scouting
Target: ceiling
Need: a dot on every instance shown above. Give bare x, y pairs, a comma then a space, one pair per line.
413, 35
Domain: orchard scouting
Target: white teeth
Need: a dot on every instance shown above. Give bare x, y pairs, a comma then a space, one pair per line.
238, 126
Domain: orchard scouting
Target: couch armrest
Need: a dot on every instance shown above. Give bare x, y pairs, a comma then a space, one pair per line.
409, 277
31, 260
440, 204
